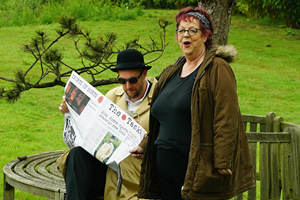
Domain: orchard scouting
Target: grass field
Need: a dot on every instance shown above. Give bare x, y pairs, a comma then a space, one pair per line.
267, 73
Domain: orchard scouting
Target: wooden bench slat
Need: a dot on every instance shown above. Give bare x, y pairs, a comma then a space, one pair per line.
31, 167
274, 159
264, 164
284, 170
54, 170
42, 169
254, 118
275, 137
253, 151
21, 173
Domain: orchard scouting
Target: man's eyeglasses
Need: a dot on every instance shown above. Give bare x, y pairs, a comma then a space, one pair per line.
191, 31
131, 80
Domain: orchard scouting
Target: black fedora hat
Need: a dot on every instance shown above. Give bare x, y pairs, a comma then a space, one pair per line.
130, 59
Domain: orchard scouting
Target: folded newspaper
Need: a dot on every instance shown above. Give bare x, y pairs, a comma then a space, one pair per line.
98, 125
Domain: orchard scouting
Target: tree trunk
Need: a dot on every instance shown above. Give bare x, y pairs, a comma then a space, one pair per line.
220, 11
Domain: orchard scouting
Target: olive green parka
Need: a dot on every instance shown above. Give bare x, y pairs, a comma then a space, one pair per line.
218, 137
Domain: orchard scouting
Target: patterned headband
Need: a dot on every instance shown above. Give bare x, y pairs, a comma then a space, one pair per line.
201, 18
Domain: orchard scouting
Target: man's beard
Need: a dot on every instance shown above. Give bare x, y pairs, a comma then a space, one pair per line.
136, 92
133, 95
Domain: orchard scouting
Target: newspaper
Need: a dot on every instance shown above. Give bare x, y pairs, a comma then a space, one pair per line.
98, 125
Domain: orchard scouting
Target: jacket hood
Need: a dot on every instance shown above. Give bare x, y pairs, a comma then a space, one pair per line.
227, 52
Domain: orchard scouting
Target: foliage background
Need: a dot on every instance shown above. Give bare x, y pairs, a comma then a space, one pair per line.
23, 12
287, 10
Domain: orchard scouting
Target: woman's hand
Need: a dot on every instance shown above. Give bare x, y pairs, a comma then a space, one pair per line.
137, 152
225, 171
63, 108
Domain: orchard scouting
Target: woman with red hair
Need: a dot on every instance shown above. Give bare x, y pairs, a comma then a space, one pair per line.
197, 147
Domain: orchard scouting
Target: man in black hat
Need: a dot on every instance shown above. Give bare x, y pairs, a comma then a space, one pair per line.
85, 175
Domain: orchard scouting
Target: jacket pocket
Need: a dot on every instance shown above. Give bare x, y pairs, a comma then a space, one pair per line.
207, 179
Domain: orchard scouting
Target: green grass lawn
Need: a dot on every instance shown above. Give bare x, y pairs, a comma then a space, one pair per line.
267, 73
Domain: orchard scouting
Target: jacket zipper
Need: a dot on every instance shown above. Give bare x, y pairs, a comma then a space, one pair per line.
202, 73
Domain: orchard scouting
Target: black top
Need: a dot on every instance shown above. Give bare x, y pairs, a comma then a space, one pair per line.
172, 109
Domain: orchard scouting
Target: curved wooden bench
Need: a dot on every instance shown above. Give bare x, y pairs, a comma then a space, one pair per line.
36, 174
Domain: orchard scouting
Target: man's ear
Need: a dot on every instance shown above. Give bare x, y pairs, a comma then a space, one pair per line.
145, 73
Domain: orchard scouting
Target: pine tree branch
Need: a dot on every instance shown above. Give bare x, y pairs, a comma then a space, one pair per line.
95, 57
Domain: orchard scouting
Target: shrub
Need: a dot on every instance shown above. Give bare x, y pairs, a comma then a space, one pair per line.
25, 12
287, 10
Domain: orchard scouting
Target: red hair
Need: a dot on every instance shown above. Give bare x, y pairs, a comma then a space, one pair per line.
186, 17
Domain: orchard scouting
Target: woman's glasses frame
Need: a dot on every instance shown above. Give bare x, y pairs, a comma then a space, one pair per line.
191, 31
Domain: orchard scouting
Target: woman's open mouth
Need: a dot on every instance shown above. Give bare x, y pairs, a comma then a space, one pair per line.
186, 43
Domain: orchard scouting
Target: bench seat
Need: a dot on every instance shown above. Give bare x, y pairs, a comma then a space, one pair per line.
36, 174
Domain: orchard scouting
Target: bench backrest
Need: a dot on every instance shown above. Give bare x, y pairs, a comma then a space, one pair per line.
274, 157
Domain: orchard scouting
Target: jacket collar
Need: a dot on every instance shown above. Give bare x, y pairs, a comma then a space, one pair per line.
227, 52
